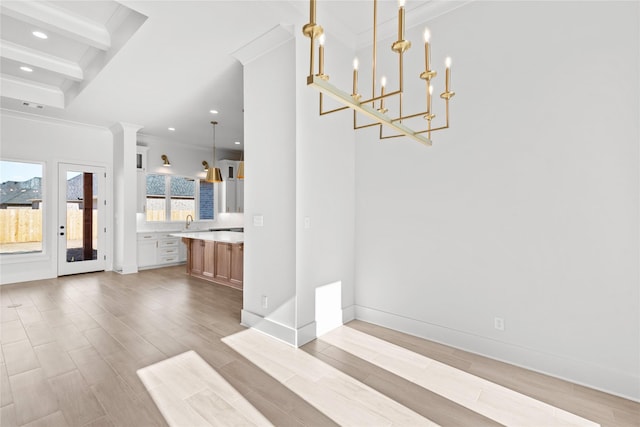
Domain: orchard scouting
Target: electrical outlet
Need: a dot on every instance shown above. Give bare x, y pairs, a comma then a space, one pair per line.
498, 323
265, 301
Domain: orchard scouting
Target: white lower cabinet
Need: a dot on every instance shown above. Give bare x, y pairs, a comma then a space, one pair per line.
160, 249
147, 248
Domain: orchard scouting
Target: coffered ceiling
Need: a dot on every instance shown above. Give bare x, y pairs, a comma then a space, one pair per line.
158, 64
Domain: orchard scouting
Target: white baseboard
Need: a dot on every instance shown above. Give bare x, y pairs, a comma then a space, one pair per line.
276, 330
348, 314
305, 334
580, 372
129, 269
295, 337
26, 276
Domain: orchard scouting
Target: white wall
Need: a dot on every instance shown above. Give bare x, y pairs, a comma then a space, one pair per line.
527, 209
325, 189
301, 167
270, 158
30, 138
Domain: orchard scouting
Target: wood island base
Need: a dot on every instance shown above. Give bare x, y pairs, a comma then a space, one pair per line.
217, 262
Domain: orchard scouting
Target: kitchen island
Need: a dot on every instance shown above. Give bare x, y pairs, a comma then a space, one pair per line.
216, 256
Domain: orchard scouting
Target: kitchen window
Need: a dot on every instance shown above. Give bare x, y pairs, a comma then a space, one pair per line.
172, 198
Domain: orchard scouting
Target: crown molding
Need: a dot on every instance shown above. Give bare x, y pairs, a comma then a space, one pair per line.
263, 44
6, 112
50, 17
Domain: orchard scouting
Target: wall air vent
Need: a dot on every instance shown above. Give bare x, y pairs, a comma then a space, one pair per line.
33, 105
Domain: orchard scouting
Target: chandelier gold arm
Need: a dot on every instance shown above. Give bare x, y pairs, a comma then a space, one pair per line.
330, 90
322, 112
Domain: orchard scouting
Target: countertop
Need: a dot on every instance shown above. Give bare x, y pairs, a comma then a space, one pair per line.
194, 230
217, 236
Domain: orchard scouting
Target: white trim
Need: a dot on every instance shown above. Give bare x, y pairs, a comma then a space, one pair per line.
293, 337
26, 276
30, 91
276, 330
50, 120
580, 372
50, 17
40, 59
263, 44
348, 314
306, 334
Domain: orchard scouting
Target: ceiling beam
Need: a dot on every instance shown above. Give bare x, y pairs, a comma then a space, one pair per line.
36, 58
58, 20
23, 90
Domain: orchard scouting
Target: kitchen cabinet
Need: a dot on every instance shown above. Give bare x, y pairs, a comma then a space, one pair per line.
232, 188
201, 257
141, 192
141, 158
209, 259
159, 249
168, 249
195, 254
147, 245
141, 187
219, 262
237, 264
240, 195
223, 261
229, 263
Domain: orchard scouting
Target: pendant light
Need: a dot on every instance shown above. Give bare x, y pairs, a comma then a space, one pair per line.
241, 167
213, 173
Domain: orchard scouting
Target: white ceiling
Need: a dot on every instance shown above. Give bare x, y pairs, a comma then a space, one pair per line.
157, 64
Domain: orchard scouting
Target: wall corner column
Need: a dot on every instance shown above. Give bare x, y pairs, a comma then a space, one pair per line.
124, 197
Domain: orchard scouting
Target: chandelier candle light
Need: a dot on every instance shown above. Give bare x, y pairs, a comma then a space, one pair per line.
354, 101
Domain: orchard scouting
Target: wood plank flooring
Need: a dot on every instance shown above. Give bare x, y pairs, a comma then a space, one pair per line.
74, 350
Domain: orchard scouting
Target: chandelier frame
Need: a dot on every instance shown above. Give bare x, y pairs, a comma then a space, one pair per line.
367, 107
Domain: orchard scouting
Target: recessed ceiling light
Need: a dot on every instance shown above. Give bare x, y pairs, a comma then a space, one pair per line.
40, 35
172, 129
26, 69
213, 111
237, 142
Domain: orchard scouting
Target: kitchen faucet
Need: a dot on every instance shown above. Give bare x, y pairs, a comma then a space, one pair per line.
188, 221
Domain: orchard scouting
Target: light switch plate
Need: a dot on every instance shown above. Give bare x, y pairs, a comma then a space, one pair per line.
258, 221
307, 222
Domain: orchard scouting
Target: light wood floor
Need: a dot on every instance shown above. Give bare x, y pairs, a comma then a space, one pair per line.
74, 350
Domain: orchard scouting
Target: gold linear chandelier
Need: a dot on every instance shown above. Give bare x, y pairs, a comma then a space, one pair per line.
374, 107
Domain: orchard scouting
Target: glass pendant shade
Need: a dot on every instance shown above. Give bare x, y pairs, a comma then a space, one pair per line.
241, 170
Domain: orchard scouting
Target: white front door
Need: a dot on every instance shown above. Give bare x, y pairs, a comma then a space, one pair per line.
81, 223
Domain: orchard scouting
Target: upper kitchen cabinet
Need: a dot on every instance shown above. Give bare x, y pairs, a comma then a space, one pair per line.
232, 188
141, 158
141, 167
